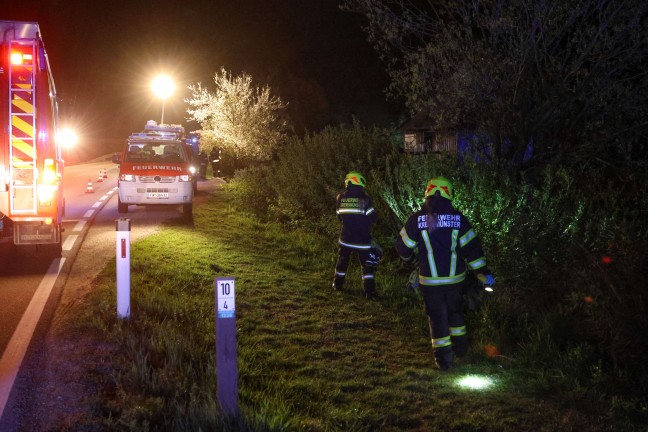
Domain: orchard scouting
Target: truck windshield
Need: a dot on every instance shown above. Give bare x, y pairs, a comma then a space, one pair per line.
169, 152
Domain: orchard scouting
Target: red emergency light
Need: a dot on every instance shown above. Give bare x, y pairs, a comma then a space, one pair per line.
18, 58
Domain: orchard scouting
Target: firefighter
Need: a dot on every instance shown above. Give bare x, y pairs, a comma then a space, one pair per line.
203, 159
214, 159
447, 246
356, 213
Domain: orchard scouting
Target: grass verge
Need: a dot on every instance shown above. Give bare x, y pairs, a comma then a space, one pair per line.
310, 359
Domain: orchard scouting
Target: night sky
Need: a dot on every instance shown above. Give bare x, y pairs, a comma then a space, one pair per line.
104, 55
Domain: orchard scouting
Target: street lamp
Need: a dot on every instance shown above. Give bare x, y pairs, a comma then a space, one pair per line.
163, 87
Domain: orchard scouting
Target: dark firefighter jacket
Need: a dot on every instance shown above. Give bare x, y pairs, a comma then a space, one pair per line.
356, 212
446, 243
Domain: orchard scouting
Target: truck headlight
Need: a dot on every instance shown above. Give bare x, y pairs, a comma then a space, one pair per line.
184, 178
49, 171
45, 195
127, 177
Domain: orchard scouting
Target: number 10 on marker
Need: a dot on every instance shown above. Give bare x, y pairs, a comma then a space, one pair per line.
225, 288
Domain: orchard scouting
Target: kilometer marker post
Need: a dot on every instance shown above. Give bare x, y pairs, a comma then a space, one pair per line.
226, 358
122, 252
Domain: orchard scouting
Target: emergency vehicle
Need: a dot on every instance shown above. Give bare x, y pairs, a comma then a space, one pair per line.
31, 161
155, 168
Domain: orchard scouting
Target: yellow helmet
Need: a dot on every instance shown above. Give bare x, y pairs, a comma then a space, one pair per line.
440, 184
354, 177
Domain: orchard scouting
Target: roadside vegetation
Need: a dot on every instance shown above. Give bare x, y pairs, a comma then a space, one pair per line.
556, 337
554, 177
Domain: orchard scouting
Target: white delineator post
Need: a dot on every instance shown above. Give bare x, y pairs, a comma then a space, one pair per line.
123, 267
226, 358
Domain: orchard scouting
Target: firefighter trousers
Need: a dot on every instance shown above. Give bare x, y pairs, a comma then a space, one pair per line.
368, 262
444, 308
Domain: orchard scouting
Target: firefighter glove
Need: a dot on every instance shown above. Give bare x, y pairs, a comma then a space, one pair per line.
410, 259
376, 248
486, 279
375, 254
412, 281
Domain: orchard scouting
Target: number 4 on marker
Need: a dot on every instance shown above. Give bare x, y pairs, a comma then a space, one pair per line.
225, 305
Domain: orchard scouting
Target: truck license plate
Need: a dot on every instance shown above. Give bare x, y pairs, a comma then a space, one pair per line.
157, 195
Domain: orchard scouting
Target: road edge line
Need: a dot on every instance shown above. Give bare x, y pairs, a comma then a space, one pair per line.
16, 349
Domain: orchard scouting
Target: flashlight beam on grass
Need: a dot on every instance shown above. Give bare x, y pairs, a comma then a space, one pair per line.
475, 382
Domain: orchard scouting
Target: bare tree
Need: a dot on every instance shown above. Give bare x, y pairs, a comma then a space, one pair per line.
567, 77
238, 117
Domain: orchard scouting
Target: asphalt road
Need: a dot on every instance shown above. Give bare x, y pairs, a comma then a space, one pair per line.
31, 277
22, 268
88, 242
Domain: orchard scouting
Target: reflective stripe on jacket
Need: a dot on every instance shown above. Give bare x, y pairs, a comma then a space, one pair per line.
356, 212
447, 245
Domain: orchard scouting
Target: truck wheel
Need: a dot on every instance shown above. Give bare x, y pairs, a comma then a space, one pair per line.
121, 207
54, 250
187, 210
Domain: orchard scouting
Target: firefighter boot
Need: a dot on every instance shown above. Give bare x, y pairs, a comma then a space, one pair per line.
460, 346
369, 285
443, 358
338, 283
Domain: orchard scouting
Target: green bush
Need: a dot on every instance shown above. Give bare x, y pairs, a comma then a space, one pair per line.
560, 305
309, 173
251, 190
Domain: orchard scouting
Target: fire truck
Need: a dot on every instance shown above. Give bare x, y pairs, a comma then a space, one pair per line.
31, 163
156, 168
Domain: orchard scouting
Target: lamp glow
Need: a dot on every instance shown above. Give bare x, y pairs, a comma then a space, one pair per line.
162, 87
16, 58
475, 382
67, 137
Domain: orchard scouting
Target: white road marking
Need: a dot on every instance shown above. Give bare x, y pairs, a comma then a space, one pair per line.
69, 242
17, 346
79, 225
14, 353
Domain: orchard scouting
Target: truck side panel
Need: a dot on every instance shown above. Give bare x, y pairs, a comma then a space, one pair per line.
31, 166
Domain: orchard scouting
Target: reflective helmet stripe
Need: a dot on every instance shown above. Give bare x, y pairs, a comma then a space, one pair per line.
440, 184
354, 177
